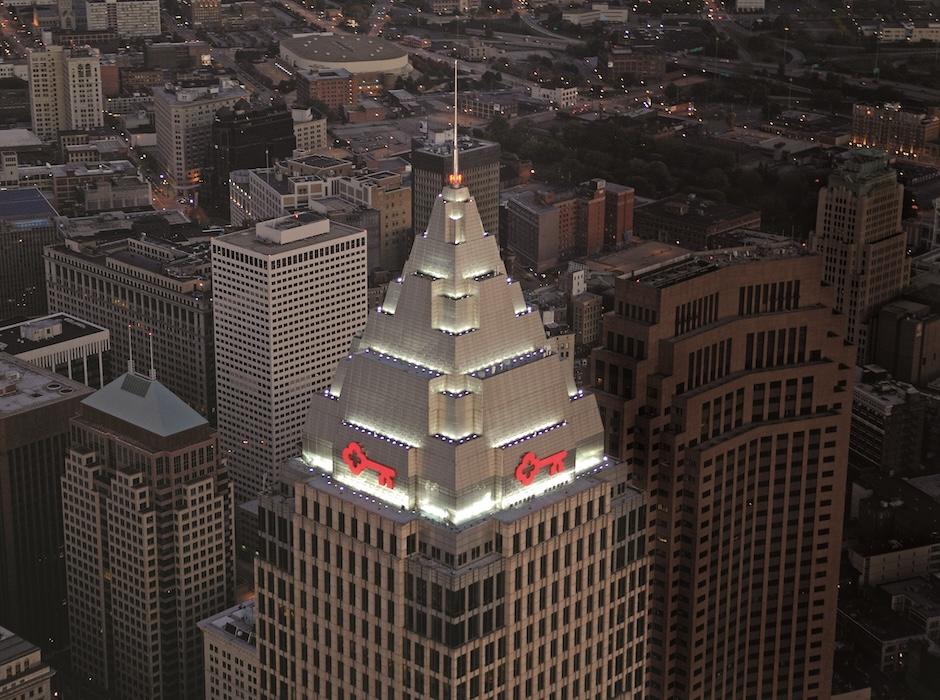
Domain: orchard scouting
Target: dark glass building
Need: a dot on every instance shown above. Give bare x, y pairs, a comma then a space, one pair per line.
248, 136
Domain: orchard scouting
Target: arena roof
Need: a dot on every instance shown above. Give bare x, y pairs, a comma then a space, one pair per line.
342, 48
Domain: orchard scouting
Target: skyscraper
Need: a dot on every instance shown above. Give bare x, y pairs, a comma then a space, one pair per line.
149, 540
64, 90
27, 225
431, 165
724, 384
249, 136
288, 298
35, 408
183, 117
858, 233
159, 286
453, 528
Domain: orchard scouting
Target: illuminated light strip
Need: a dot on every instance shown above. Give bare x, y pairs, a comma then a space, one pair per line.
428, 275
456, 333
525, 311
456, 394
499, 366
380, 436
330, 395
579, 394
455, 441
394, 358
586, 463
535, 433
485, 275
432, 511
537, 489
394, 497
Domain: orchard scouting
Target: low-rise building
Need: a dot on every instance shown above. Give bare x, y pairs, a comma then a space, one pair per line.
890, 127
897, 561
690, 221
309, 130
918, 599
333, 88
77, 189
472, 50
595, 12
888, 422
231, 654
561, 97
63, 344
878, 635
617, 62
906, 333
486, 105
23, 673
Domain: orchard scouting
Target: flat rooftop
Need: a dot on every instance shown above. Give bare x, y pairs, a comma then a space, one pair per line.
19, 138
339, 48
237, 623
635, 257
24, 386
249, 240
45, 332
694, 210
24, 203
703, 263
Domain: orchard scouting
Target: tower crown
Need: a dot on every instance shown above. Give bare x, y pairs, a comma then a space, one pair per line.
453, 405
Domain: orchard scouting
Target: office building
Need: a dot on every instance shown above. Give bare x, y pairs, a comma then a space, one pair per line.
618, 217
906, 332
432, 161
545, 228
749, 5
858, 233
587, 15
889, 419
454, 519
249, 136
689, 221
637, 63
585, 312
333, 88
27, 225
183, 116
125, 17
891, 128
724, 384
288, 298
149, 540
35, 408
63, 344
23, 674
64, 90
202, 13
309, 130
77, 189
230, 649
154, 286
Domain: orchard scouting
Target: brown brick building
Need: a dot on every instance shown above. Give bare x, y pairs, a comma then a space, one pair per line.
724, 384
690, 221
336, 88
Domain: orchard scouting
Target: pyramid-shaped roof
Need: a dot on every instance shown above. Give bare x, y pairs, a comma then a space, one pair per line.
145, 403
453, 403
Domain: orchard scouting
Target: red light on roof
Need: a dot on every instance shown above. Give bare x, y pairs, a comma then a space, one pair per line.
530, 466
355, 458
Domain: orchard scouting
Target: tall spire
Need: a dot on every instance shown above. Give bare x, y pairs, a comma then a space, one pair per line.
455, 179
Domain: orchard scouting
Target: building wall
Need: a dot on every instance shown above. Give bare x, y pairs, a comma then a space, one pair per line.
181, 321
885, 567
65, 90
858, 231
299, 307
22, 283
736, 413
32, 572
148, 555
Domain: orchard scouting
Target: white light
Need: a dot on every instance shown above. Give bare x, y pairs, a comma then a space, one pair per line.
318, 461
433, 511
395, 497
474, 510
537, 489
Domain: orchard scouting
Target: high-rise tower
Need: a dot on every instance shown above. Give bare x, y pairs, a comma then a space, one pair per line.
454, 530
725, 386
858, 232
288, 297
149, 543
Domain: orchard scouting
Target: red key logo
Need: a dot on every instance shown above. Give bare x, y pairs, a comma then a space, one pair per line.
530, 466
355, 458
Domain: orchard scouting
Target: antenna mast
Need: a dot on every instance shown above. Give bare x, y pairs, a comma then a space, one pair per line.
456, 179
153, 369
130, 349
